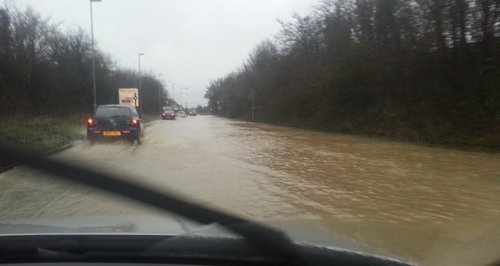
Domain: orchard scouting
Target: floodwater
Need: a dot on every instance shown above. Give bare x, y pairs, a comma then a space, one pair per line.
432, 206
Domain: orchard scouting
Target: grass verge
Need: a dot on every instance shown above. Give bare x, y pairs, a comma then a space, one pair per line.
40, 134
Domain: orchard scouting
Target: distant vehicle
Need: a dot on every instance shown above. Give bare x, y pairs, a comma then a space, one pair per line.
115, 122
168, 115
181, 114
192, 113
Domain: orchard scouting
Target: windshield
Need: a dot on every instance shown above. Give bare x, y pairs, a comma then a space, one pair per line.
112, 112
368, 125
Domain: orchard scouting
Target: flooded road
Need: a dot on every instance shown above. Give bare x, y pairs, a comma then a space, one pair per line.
429, 205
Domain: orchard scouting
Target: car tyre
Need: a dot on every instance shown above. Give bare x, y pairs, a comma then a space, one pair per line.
131, 141
138, 139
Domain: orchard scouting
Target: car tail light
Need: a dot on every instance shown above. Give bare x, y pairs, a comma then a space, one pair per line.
126, 131
134, 121
163, 114
91, 122
172, 114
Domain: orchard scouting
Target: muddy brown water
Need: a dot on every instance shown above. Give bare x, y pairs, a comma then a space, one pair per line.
432, 206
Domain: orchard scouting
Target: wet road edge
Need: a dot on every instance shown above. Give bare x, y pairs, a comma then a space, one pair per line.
50, 152
81, 136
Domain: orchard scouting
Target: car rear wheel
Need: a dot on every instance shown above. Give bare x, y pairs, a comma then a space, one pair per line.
137, 139
131, 140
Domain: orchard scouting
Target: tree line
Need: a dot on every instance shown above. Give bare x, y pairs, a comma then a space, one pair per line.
44, 71
420, 70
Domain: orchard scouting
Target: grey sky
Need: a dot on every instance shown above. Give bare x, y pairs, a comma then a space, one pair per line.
189, 41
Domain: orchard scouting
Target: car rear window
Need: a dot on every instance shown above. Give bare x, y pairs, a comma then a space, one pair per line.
113, 111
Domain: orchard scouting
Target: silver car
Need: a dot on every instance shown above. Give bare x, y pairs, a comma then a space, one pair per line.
181, 114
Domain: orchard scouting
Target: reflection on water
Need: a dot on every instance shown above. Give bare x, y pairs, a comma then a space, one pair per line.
361, 179
431, 205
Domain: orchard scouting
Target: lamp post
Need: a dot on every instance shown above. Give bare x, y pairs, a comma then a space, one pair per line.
93, 53
253, 107
173, 91
159, 93
139, 78
181, 94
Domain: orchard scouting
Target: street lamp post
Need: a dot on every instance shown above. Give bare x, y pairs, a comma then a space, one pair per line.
139, 78
252, 99
181, 94
93, 53
159, 93
173, 91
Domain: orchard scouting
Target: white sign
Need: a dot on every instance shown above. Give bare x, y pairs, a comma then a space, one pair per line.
128, 96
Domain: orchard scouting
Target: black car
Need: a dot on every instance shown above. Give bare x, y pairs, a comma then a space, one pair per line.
168, 115
115, 122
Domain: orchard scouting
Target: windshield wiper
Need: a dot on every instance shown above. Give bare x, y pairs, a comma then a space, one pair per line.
262, 237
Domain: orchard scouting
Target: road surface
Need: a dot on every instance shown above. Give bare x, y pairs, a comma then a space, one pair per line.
431, 205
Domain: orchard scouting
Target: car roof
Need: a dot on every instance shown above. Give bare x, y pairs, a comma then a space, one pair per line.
114, 105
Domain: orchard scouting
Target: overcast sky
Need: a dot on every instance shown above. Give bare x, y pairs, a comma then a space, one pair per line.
189, 41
